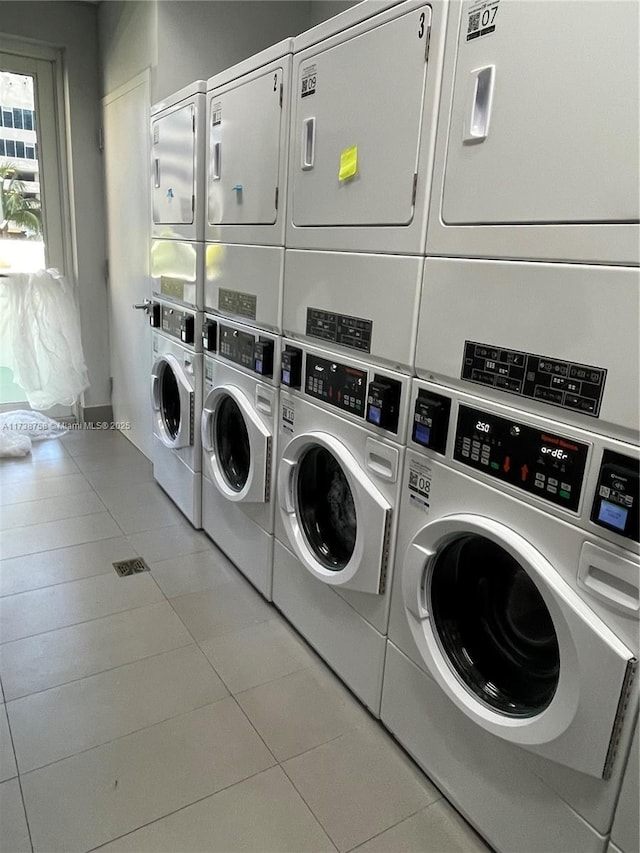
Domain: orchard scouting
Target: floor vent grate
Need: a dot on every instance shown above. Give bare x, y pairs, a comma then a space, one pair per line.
125, 568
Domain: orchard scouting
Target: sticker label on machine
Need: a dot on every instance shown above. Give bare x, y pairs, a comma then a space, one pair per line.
216, 113
235, 302
170, 286
288, 415
419, 483
308, 81
567, 384
481, 18
545, 464
352, 332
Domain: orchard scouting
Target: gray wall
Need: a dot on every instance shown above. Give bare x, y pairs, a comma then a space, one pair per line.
73, 26
320, 10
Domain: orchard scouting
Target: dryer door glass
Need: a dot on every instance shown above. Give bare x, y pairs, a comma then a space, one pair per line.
494, 626
169, 400
326, 508
232, 443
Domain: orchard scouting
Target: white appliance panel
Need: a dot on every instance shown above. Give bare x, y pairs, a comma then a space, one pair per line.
537, 151
625, 833
176, 269
586, 315
383, 291
246, 134
363, 130
386, 128
245, 283
173, 160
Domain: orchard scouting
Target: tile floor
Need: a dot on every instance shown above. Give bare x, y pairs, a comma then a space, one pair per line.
174, 710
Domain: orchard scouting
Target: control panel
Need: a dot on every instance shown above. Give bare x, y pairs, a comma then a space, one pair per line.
291, 364
615, 506
335, 383
178, 324
327, 326
349, 388
542, 463
431, 421
578, 387
251, 351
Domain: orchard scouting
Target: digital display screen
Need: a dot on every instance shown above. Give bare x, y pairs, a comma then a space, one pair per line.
374, 415
286, 377
421, 434
258, 365
613, 515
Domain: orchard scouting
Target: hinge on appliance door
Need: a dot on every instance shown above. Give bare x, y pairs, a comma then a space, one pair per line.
276, 198
101, 139
426, 47
415, 188
281, 90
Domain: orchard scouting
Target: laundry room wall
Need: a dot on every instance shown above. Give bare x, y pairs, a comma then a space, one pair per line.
320, 10
73, 27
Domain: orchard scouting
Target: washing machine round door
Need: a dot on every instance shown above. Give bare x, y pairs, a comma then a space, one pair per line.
172, 402
512, 644
237, 445
336, 518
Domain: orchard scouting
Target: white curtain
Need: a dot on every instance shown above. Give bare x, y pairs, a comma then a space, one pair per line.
40, 338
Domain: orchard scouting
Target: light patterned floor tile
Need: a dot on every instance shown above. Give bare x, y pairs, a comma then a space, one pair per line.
49, 509
14, 834
57, 534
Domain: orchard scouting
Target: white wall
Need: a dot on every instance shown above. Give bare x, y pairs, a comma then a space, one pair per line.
73, 26
320, 10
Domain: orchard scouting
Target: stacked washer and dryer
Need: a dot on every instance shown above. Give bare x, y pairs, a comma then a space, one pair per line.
511, 664
248, 136
359, 173
175, 313
420, 420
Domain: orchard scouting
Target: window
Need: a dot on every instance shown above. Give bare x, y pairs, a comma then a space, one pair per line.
20, 149
29, 152
2, 148
29, 123
7, 118
10, 147
17, 117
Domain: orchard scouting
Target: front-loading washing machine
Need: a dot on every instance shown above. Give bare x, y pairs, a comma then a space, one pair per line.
625, 833
340, 455
239, 438
513, 636
176, 400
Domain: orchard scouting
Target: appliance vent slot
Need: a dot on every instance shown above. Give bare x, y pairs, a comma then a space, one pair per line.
267, 488
384, 563
623, 704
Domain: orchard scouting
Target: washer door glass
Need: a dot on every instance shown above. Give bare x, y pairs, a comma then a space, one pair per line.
232, 444
326, 508
169, 401
494, 626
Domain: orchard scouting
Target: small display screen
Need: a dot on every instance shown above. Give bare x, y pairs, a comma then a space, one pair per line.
613, 515
374, 415
422, 434
286, 376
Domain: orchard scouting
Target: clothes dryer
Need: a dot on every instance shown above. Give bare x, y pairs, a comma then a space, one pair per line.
341, 434
513, 637
625, 833
361, 304
176, 400
178, 146
248, 146
537, 145
363, 130
560, 340
239, 439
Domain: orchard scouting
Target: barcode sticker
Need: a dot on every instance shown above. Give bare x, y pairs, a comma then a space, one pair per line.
481, 18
